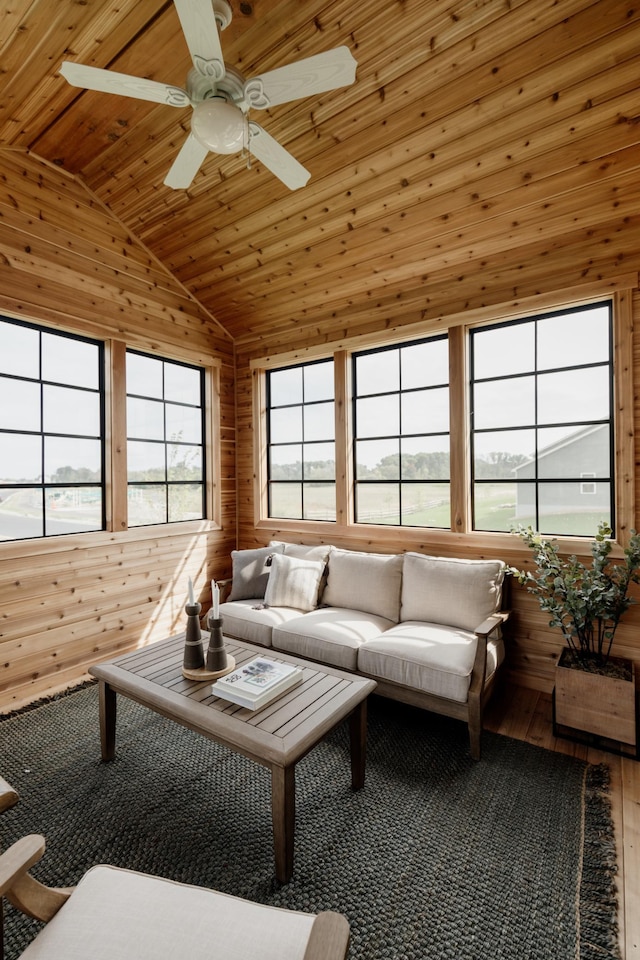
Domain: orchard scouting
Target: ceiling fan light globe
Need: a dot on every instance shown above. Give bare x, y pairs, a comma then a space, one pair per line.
219, 126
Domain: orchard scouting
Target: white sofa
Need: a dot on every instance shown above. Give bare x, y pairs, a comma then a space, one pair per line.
427, 629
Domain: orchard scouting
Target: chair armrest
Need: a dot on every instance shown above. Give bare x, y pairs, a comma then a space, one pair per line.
26, 894
17, 860
329, 938
8, 796
492, 623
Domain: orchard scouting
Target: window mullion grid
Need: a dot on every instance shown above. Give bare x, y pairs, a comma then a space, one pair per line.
43, 498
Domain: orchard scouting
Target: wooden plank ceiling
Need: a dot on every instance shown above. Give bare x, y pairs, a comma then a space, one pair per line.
479, 135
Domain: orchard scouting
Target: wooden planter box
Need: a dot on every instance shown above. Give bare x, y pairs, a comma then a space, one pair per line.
596, 703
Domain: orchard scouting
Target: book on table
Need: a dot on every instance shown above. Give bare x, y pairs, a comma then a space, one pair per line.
257, 683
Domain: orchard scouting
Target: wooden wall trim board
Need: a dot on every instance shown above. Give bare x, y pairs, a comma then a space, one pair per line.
459, 406
623, 415
116, 435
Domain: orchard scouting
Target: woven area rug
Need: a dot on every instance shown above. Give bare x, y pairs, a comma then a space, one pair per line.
438, 857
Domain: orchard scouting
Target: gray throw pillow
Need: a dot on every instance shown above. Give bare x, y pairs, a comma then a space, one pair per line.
251, 572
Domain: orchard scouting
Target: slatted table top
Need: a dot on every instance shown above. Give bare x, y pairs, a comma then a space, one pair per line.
280, 733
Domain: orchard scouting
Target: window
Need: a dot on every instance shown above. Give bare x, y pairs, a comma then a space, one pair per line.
401, 434
301, 442
165, 441
542, 421
51, 433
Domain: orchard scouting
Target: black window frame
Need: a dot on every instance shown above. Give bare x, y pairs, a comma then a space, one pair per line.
303, 482
537, 480
46, 485
165, 443
401, 482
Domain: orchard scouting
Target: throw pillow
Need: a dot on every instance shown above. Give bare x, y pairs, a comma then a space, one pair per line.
251, 572
457, 593
293, 582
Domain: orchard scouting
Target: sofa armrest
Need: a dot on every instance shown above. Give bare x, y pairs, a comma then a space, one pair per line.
483, 632
492, 623
225, 588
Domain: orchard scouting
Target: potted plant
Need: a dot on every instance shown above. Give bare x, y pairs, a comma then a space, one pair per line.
594, 691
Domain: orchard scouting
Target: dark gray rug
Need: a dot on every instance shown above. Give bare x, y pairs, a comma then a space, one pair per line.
438, 857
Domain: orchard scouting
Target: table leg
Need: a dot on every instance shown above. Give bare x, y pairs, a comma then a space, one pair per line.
107, 697
358, 736
283, 815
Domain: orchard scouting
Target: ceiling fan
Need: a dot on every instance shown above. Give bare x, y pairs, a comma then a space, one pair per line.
221, 97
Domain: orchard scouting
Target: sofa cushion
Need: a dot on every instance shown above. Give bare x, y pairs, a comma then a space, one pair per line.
251, 572
329, 635
364, 581
304, 552
293, 582
252, 621
115, 913
458, 593
428, 657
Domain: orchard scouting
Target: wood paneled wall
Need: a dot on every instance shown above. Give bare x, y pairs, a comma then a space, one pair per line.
69, 601
533, 646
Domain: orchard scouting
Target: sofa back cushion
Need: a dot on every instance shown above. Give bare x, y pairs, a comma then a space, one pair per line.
250, 572
364, 581
293, 582
458, 593
304, 552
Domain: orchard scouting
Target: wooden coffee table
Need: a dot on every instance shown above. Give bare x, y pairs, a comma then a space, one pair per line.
277, 736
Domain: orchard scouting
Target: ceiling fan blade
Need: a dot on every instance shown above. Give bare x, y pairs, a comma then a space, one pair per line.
186, 164
200, 29
274, 156
325, 71
108, 81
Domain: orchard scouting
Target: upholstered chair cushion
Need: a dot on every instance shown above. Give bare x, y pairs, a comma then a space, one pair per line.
458, 593
364, 581
119, 914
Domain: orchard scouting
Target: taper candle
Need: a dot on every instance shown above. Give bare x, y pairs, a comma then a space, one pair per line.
215, 596
191, 597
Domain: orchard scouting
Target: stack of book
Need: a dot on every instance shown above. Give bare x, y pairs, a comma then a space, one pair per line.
257, 683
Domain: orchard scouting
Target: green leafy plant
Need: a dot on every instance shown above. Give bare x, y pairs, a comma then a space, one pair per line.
585, 602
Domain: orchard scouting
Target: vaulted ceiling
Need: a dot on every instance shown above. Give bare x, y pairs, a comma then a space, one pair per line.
479, 135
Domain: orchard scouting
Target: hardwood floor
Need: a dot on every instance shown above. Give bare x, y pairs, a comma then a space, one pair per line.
527, 715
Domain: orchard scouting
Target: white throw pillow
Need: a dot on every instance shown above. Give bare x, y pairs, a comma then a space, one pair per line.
251, 572
458, 593
293, 582
364, 581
